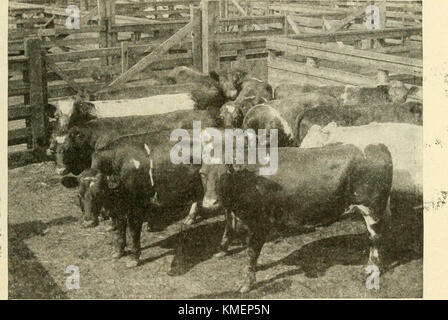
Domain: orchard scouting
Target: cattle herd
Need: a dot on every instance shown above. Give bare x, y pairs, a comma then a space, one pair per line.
341, 151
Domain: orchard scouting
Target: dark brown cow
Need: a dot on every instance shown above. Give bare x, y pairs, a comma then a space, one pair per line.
254, 91
125, 176
99, 131
314, 187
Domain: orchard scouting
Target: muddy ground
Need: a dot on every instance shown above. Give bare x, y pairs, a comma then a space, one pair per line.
45, 238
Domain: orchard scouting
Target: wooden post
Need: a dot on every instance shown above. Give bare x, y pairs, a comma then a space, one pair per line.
195, 13
124, 57
210, 50
38, 93
383, 76
311, 62
285, 25
102, 23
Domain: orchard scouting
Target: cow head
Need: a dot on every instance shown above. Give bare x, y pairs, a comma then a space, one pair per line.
67, 114
91, 194
398, 93
210, 177
230, 116
74, 151
231, 82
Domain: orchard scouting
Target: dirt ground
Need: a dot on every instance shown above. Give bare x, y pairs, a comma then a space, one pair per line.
45, 238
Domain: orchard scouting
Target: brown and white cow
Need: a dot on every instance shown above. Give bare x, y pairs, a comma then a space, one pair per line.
311, 186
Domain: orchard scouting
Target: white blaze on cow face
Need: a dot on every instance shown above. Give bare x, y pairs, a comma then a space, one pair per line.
136, 163
60, 139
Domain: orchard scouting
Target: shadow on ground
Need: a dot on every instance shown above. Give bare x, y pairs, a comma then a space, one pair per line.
28, 279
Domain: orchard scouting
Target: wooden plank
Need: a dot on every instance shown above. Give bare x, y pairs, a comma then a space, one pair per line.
38, 93
334, 75
146, 61
56, 69
251, 20
18, 112
293, 25
18, 136
344, 22
150, 26
197, 37
238, 7
358, 57
352, 35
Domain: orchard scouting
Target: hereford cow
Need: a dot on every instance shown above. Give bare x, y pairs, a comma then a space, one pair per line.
314, 186
410, 112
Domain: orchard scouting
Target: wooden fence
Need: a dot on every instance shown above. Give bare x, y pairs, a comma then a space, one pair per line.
329, 59
114, 59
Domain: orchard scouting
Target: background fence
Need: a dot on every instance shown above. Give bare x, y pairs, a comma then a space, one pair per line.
118, 52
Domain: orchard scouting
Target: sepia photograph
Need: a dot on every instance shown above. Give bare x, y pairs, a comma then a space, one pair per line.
216, 149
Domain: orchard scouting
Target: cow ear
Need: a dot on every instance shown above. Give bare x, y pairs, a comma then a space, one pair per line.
214, 75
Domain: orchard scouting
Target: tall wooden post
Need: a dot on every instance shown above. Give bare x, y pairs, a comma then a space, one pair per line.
38, 93
195, 13
210, 49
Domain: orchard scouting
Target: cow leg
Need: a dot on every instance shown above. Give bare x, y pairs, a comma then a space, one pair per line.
135, 222
226, 237
120, 237
255, 243
375, 228
192, 215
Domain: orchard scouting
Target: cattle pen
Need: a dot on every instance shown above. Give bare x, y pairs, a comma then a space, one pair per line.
123, 50
115, 48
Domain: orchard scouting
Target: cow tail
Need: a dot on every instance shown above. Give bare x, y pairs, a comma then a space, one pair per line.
379, 157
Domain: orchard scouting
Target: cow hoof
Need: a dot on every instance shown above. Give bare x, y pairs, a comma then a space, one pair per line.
220, 254
132, 263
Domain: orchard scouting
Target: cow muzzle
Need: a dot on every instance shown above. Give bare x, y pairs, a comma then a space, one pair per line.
210, 204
